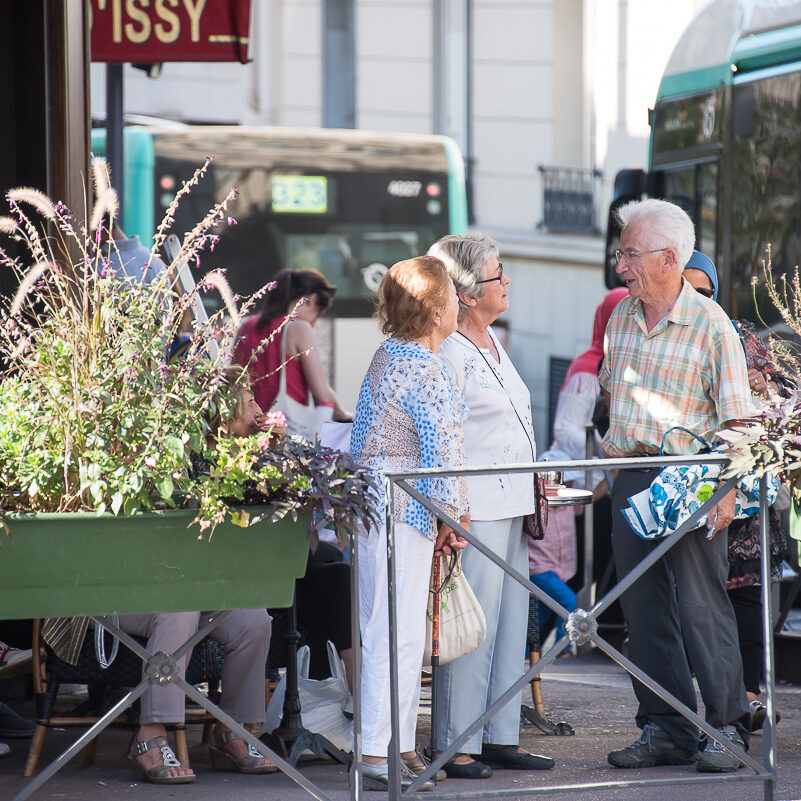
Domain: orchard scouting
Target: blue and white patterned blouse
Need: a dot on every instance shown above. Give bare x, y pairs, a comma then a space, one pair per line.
408, 417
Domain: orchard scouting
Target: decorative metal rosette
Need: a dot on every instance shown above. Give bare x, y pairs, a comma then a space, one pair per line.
581, 626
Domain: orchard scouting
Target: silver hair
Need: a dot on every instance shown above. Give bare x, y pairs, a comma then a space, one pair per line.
665, 225
464, 256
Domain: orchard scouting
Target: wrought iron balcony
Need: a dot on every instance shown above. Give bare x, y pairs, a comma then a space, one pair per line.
570, 200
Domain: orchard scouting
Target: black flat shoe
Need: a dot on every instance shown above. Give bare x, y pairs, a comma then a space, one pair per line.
471, 770
510, 758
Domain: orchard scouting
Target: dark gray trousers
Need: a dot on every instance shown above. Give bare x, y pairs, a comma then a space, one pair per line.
680, 619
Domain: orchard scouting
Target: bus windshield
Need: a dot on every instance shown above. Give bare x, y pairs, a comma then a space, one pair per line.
349, 213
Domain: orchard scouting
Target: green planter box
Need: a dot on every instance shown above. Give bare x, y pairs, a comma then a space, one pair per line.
56, 565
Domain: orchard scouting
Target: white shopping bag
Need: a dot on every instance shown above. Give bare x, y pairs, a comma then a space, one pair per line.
321, 702
336, 435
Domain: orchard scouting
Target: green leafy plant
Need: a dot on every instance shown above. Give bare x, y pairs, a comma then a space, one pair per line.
93, 415
287, 476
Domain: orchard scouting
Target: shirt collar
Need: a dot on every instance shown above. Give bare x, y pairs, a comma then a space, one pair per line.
683, 310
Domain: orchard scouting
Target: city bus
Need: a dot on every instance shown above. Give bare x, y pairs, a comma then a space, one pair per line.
726, 146
345, 202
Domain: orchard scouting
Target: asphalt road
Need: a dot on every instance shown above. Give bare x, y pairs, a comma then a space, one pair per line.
590, 693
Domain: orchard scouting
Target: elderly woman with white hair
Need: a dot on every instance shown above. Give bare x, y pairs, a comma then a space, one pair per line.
498, 431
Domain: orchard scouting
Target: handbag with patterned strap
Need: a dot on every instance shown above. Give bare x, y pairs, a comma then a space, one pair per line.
534, 524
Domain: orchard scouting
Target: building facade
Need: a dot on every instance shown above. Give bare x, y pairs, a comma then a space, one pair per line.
547, 99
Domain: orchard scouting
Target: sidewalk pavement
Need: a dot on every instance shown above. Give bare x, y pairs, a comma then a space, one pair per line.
591, 693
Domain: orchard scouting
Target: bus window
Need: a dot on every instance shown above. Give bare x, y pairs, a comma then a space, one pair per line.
695, 189
329, 254
706, 223
765, 194
391, 246
679, 188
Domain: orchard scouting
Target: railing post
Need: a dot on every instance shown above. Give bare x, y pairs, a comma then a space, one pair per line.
356, 678
393, 752
769, 727
585, 597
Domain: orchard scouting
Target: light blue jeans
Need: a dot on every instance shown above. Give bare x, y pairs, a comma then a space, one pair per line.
470, 685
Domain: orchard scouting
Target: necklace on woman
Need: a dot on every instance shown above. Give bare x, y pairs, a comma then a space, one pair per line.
497, 375
496, 355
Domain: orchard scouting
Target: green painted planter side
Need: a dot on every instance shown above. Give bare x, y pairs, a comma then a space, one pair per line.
57, 565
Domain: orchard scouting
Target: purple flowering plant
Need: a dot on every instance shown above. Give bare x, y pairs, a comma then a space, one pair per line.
94, 416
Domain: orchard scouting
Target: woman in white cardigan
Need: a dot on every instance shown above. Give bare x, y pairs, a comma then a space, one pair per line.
497, 430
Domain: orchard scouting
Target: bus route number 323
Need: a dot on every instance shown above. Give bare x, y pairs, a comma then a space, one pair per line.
299, 194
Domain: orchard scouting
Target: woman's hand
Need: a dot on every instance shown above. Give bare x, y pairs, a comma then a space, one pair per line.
757, 383
448, 540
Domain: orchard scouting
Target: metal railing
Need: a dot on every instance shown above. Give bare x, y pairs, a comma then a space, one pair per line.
582, 629
161, 668
569, 200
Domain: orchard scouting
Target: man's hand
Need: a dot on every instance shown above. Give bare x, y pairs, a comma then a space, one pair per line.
721, 515
448, 540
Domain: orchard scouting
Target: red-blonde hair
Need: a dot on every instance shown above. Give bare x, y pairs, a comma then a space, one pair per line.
409, 295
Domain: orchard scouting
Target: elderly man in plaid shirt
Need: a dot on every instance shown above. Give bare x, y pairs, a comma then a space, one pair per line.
673, 358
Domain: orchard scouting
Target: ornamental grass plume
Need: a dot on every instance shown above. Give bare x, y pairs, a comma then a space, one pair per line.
770, 442
93, 414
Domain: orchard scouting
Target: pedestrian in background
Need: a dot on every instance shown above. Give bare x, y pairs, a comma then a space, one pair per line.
283, 331
554, 558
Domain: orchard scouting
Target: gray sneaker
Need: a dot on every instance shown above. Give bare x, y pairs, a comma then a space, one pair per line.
652, 748
715, 758
376, 777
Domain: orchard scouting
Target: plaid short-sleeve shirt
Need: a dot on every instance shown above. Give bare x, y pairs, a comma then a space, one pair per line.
689, 371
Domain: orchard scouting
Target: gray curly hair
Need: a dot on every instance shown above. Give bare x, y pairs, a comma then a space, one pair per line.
464, 256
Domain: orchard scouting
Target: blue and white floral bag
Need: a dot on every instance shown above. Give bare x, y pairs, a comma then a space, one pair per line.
678, 492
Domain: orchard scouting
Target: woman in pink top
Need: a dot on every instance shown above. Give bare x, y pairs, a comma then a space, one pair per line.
259, 346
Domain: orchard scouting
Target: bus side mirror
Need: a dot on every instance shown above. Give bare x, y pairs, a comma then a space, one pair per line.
629, 185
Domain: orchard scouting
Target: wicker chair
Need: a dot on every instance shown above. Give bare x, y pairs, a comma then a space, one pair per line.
205, 665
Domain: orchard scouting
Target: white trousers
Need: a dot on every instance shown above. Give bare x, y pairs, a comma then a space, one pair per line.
413, 554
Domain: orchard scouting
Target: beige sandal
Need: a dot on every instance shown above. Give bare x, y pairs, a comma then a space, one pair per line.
158, 774
224, 760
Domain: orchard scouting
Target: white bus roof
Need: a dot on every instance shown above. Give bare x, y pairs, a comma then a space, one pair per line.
328, 148
706, 55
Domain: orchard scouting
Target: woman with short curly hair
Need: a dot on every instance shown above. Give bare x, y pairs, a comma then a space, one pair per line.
408, 417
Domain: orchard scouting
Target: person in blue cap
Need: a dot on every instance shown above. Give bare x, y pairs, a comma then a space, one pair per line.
701, 274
